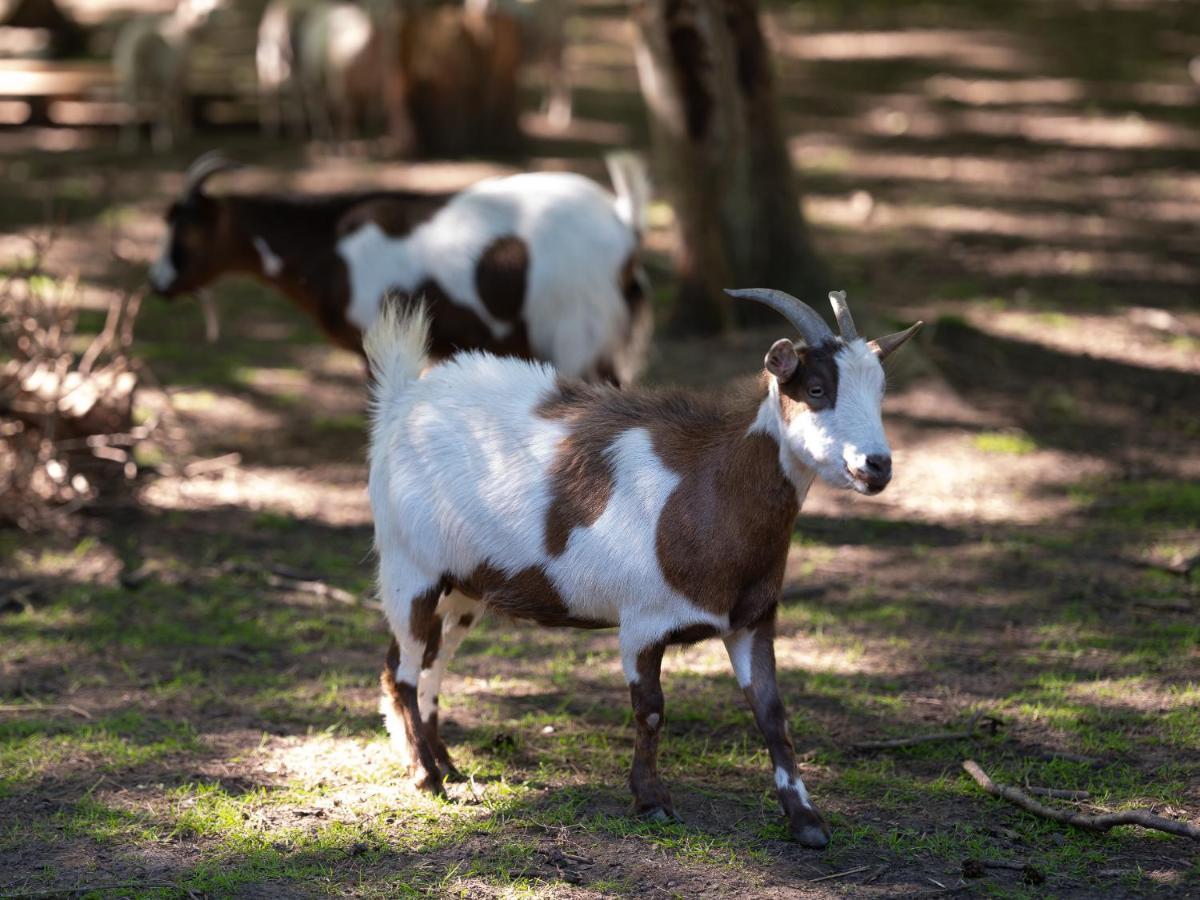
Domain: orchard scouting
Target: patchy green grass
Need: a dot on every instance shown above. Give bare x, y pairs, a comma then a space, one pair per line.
1007, 443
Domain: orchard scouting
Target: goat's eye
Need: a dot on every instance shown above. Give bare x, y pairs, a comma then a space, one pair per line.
815, 390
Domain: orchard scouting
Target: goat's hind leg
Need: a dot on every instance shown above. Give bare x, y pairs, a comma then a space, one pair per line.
456, 613
411, 610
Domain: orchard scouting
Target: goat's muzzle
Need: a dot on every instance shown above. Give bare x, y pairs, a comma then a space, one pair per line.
873, 475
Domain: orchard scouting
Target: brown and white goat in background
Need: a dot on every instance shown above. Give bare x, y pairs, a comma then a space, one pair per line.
494, 483
543, 265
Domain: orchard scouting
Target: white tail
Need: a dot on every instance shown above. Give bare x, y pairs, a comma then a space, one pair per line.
631, 182
397, 348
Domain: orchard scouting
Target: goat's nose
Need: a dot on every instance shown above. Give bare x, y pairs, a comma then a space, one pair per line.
878, 467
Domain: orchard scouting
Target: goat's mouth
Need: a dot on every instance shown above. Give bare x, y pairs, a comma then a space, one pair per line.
867, 486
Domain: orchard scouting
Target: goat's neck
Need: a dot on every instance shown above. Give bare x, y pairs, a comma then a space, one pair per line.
768, 419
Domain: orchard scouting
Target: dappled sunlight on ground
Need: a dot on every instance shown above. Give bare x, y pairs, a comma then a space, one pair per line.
1022, 177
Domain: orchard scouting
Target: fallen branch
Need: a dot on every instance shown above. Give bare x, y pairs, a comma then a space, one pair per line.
1142, 817
1057, 793
839, 874
288, 579
47, 707
939, 736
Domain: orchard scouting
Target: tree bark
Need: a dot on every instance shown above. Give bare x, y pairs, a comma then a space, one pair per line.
705, 73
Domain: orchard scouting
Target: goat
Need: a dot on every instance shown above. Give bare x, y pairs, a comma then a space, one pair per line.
280, 97
542, 265
150, 64
497, 484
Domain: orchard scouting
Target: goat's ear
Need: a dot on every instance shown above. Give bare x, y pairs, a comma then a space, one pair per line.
782, 359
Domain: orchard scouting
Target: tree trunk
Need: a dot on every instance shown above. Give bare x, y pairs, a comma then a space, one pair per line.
705, 72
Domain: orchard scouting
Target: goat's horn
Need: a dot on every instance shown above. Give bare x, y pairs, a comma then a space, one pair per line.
890, 343
806, 320
204, 168
841, 309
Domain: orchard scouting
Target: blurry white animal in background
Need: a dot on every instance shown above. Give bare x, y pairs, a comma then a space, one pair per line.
340, 69
543, 26
280, 97
150, 62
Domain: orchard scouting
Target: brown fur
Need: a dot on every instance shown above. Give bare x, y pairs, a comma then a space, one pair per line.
817, 367
215, 236
724, 533
454, 327
500, 277
527, 594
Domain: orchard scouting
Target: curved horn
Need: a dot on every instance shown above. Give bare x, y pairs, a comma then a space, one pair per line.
204, 168
890, 343
837, 299
806, 320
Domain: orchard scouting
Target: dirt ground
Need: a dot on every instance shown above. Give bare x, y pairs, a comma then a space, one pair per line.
175, 721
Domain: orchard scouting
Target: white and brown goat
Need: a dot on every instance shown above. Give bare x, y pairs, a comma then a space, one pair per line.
496, 483
542, 265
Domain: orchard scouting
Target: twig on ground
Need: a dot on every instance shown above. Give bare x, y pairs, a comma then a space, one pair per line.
1142, 817
1057, 793
839, 874
967, 734
288, 579
43, 707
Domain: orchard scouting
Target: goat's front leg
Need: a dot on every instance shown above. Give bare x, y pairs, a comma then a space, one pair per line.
642, 671
752, 652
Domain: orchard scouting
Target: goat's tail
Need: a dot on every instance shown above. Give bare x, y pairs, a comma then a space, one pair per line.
631, 181
397, 348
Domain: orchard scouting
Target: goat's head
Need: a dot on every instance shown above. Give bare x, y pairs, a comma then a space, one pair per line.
830, 392
188, 258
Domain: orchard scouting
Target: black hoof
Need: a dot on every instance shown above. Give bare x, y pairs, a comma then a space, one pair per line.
812, 836
661, 814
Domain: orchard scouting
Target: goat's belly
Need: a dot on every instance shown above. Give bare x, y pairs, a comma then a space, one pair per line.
530, 593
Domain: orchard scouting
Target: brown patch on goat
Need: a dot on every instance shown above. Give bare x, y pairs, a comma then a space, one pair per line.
395, 217
724, 532
433, 642
454, 327
818, 367
500, 277
527, 594
422, 613
581, 483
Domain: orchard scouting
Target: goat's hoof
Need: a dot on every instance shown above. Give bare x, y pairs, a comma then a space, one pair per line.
429, 783
810, 830
663, 814
450, 773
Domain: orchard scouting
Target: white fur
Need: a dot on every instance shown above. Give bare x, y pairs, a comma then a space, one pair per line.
786, 781
272, 264
575, 313
150, 65
829, 441
460, 477
452, 607
740, 646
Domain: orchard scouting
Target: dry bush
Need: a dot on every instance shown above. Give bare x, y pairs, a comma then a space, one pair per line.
67, 429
